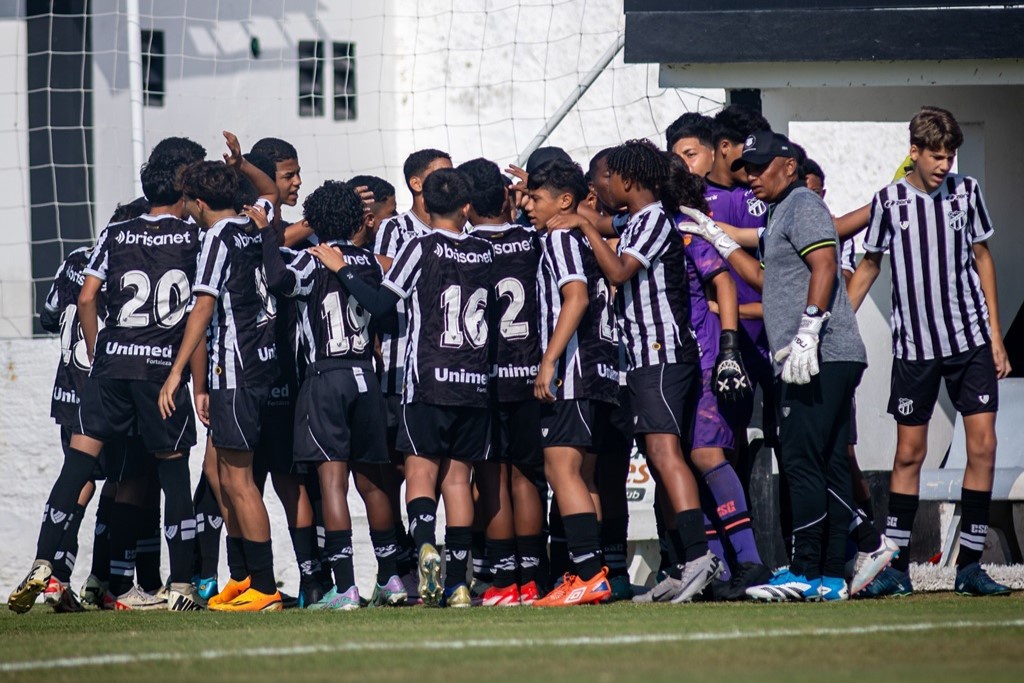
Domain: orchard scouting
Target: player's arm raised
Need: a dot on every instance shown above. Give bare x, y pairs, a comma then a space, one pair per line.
263, 183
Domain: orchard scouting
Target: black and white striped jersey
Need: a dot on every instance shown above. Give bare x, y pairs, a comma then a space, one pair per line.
332, 324
389, 240
148, 264
61, 307
938, 306
847, 256
589, 366
448, 280
242, 344
515, 343
653, 308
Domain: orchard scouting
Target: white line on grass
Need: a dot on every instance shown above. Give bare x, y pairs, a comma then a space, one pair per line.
481, 644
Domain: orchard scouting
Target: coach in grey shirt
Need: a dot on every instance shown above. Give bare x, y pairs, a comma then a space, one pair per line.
819, 359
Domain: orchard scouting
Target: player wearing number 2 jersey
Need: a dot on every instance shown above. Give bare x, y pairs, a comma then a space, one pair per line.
446, 277
148, 265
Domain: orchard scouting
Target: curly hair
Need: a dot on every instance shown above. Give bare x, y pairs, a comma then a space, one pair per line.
736, 122
133, 209
334, 211
211, 181
160, 182
682, 188
640, 162
176, 151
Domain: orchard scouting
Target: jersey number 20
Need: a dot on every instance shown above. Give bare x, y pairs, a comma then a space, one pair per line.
168, 310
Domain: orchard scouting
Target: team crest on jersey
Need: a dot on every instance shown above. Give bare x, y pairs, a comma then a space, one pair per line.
957, 219
983, 398
785, 411
904, 225
905, 406
755, 207
544, 431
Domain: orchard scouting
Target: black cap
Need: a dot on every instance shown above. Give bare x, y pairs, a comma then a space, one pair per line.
763, 146
543, 155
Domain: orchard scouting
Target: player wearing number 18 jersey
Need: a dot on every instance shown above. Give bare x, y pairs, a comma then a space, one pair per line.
509, 499
340, 414
447, 279
148, 265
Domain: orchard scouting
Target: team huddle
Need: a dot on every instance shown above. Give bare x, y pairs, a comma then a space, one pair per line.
508, 335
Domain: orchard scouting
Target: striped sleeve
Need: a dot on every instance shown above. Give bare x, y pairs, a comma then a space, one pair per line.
97, 266
405, 271
268, 208
213, 264
980, 220
879, 232
52, 303
846, 258
388, 239
645, 238
565, 257
302, 265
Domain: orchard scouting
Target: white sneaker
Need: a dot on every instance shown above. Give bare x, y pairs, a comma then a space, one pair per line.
698, 575
183, 597
866, 566
139, 600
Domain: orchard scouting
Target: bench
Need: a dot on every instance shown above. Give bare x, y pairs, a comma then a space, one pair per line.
944, 483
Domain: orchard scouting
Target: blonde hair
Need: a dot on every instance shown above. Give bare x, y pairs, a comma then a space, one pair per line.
935, 128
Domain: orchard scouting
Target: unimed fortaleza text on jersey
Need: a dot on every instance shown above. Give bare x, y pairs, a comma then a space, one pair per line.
515, 342
938, 306
389, 240
149, 265
448, 282
589, 366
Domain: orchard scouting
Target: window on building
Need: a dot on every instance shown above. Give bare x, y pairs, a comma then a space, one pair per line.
344, 81
311, 78
153, 68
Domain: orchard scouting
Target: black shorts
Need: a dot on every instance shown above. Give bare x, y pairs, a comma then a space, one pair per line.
340, 415
393, 405
120, 460
273, 452
114, 408
575, 423
455, 432
515, 432
853, 422
236, 417
618, 437
664, 398
970, 382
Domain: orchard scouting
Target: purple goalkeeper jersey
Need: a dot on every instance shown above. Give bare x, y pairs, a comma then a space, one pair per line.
737, 206
703, 263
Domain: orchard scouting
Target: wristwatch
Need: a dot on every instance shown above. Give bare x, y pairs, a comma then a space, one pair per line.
813, 311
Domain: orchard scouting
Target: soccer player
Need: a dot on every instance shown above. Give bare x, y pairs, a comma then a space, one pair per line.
388, 241
340, 415
691, 138
652, 302
447, 278
511, 505
148, 265
382, 208
945, 321
577, 381
233, 304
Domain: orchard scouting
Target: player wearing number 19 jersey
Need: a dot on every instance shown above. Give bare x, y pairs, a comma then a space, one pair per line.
447, 279
340, 414
148, 265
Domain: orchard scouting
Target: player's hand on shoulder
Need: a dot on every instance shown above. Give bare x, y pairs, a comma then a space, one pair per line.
567, 221
232, 157
257, 215
331, 257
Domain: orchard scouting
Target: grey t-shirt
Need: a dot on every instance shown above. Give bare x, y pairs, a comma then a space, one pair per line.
799, 224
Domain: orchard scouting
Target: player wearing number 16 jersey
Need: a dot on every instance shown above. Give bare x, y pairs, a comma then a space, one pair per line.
148, 265
340, 416
447, 279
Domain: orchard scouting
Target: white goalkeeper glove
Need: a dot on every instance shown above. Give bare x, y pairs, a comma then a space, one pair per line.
704, 226
799, 358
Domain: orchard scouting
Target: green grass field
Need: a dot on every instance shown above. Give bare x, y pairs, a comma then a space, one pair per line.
923, 638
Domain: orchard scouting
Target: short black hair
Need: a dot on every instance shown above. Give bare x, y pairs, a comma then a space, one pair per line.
212, 181
262, 162
641, 162
486, 188
445, 191
682, 188
543, 155
176, 151
133, 209
334, 211
380, 188
559, 176
600, 155
160, 182
691, 125
247, 193
417, 162
811, 167
275, 149
736, 122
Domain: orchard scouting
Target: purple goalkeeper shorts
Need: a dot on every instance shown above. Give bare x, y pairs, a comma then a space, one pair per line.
710, 430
